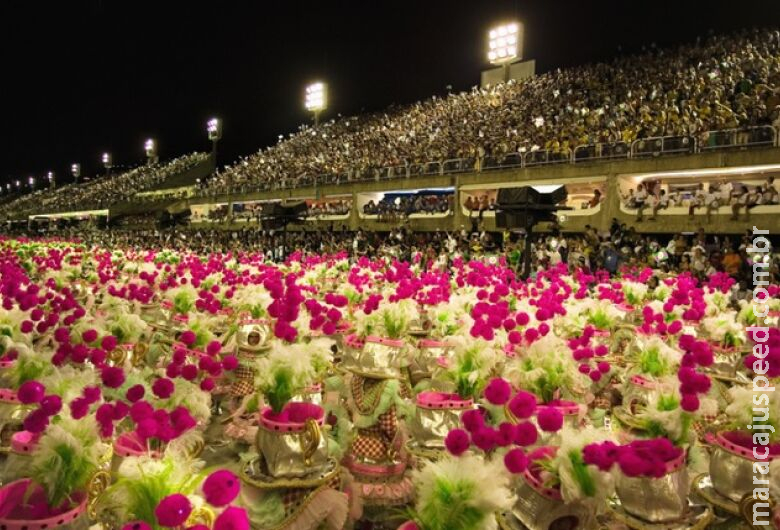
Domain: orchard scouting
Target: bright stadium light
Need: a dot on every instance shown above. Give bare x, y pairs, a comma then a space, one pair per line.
18, 183
75, 170
50, 178
150, 146
108, 162
504, 43
31, 182
316, 99
214, 128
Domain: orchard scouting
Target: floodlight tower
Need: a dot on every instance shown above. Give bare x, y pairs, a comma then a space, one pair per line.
51, 179
75, 170
31, 182
214, 130
150, 146
108, 162
316, 99
504, 46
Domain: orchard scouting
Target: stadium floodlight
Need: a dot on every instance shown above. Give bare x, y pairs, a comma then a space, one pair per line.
107, 160
504, 43
316, 99
50, 178
31, 182
75, 170
18, 183
150, 148
214, 128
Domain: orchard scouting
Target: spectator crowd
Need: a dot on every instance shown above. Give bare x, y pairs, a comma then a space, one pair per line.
716, 83
101, 192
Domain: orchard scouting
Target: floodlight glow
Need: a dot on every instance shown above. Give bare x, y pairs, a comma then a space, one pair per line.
316, 97
18, 183
75, 170
31, 181
149, 145
214, 129
106, 159
50, 176
503, 43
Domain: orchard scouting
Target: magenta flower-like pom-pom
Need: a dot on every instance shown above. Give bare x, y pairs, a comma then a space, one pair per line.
51, 405
31, 392
173, 510
221, 488
550, 419
526, 433
472, 420
163, 388
188, 337
134, 393
523, 405
113, 376
229, 362
457, 441
232, 519
498, 391
516, 461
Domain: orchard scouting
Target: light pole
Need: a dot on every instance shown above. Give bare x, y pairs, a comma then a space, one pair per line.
214, 130
108, 162
150, 146
51, 179
31, 182
504, 46
316, 99
75, 170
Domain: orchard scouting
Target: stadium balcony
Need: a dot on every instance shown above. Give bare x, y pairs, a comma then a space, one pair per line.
610, 168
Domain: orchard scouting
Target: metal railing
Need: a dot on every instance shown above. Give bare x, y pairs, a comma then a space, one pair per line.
759, 136
662, 145
765, 135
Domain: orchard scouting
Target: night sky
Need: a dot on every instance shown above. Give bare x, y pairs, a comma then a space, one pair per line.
80, 78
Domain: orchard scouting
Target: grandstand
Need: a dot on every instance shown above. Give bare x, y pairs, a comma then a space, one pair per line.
701, 113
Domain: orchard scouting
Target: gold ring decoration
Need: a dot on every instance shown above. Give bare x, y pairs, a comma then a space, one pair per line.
309, 440
196, 449
139, 354
117, 356
201, 515
746, 510
95, 488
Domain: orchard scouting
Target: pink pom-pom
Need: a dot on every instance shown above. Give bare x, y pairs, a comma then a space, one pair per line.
108, 343
31, 392
51, 405
163, 388
232, 519
526, 434
135, 392
173, 510
516, 461
221, 488
188, 337
522, 405
113, 376
689, 403
498, 391
457, 441
484, 438
550, 419
230, 362
472, 420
